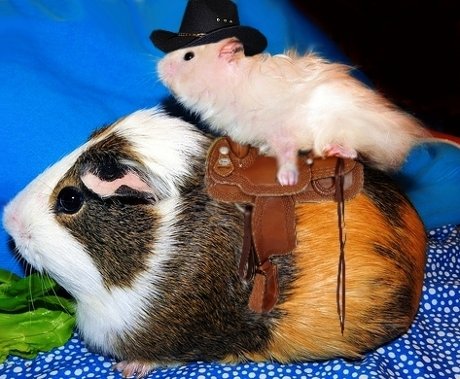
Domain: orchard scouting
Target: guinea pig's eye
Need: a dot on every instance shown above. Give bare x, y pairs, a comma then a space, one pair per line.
189, 55
69, 200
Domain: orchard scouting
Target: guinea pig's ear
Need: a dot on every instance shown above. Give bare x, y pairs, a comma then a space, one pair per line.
231, 50
129, 184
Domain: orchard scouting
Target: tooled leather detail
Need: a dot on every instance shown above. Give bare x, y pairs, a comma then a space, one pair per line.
237, 173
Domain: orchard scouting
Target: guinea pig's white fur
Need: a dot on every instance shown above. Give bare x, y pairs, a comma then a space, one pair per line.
105, 312
289, 102
125, 224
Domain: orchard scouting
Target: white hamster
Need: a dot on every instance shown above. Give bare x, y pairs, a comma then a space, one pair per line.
289, 103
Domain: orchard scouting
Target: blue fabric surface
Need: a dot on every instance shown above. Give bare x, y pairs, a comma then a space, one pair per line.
430, 350
431, 179
68, 67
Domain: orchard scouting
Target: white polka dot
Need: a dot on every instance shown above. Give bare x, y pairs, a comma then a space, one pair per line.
78, 372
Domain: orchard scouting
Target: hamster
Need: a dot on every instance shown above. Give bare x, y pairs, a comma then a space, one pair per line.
286, 103
124, 223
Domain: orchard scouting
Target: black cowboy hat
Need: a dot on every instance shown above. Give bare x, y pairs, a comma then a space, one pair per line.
207, 21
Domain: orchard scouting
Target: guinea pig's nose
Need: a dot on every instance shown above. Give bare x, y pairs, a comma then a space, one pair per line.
69, 200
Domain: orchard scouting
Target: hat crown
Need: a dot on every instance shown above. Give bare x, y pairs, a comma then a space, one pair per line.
203, 16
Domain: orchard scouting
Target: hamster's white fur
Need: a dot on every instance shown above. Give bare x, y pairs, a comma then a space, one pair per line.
289, 102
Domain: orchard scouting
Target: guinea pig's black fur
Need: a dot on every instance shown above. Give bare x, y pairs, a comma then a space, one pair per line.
125, 224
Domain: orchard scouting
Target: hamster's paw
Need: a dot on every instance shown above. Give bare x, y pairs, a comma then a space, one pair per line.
134, 369
288, 174
335, 150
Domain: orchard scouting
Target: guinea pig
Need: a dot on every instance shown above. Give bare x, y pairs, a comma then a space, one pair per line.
286, 103
125, 224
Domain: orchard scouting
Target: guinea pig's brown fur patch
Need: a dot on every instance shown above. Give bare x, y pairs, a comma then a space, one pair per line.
384, 275
201, 311
118, 232
152, 260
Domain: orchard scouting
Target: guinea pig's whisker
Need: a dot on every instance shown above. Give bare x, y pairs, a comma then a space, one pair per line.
17, 255
58, 298
31, 303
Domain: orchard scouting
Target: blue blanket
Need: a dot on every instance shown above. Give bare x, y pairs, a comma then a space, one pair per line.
68, 67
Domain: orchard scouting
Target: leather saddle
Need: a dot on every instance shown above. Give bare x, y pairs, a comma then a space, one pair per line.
239, 174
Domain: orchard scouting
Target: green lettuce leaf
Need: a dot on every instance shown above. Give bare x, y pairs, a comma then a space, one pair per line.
34, 317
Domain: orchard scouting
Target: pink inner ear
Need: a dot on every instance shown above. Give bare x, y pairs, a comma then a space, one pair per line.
231, 49
105, 188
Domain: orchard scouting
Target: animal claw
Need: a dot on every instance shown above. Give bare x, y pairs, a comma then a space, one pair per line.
288, 175
336, 150
134, 369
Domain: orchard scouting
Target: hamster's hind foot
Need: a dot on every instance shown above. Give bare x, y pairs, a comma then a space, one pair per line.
336, 150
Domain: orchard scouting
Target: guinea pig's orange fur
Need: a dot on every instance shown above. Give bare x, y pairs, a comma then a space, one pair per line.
310, 328
155, 274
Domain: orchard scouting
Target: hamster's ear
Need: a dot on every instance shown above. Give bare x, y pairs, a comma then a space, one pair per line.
129, 184
231, 50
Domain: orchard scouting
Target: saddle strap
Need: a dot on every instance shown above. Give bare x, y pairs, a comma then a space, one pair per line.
339, 198
274, 216
273, 226
248, 259
269, 230
265, 290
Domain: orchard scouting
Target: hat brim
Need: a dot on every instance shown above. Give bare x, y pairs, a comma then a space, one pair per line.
254, 41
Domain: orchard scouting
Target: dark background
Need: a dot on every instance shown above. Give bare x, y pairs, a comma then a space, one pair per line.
410, 51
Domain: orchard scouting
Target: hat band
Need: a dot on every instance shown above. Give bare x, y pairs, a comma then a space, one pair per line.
191, 34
